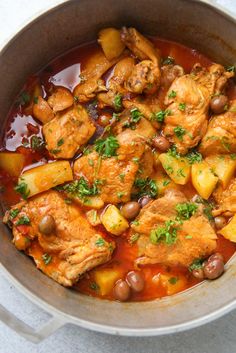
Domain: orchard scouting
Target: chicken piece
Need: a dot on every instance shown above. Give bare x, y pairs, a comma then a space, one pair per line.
146, 164
42, 110
117, 174
73, 248
195, 237
221, 133
60, 99
143, 127
187, 122
169, 73
121, 72
148, 106
146, 75
226, 199
67, 132
91, 76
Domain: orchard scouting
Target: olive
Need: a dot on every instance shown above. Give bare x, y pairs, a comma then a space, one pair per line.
198, 273
122, 290
104, 119
220, 222
143, 201
135, 280
130, 209
161, 143
47, 225
218, 104
214, 266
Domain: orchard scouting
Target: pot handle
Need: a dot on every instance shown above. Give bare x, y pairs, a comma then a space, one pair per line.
34, 335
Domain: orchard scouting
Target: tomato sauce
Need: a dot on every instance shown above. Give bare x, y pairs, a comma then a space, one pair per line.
21, 127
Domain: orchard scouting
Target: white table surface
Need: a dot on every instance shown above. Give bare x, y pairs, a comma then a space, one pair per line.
216, 337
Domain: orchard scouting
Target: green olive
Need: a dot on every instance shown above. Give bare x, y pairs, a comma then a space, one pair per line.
47, 225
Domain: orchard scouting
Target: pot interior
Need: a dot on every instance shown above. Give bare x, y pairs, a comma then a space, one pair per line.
192, 23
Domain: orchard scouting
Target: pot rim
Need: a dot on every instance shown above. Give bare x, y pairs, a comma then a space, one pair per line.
66, 318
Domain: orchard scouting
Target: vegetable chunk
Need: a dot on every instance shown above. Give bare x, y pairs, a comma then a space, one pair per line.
223, 166
45, 177
203, 179
12, 163
229, 231
177, 168
113, 220
110, 41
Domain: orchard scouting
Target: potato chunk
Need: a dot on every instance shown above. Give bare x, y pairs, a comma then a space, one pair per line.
203, 179
43, 178
110, 41
177, 168
229, 231
106, 278
12, 163
113, 220
42, 111
223, 166
60, 99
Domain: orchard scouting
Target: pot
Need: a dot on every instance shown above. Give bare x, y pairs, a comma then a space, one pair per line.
191, 22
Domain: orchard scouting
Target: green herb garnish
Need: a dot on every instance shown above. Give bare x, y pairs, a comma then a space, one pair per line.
186, 210
46, 258
118, 101
179, 132
160, 116
94, 286
166, 234
106, 147
60, 142
194, 157
182, 106
81, 188
146, 187
100, 242
168, 61
173, 280
22, 189
172, 94
13, 213
23, 220
196, 265
37, 143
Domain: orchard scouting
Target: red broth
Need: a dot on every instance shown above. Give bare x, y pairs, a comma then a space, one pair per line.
21, 126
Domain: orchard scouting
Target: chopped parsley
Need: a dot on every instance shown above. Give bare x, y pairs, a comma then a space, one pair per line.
179, 132
90, 162
118, 101
225, 143
60, 142
166, 182
13, 213
100, 242
182, 106
94, 286
146, 187
24, 98
133, 238
36, 99
160, 116
173, 280
230, 68
194, 157
196, 265
168, 61
172, 94
208, 207
166, 234
55, 151
22, 189
120, 194
233, 156
135, 116
186, 210
23, 220
46, 258
106, 147
37, 143
122, 176
81, 188
180, 173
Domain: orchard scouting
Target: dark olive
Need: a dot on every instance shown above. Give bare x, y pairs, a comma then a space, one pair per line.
104, 119
130, 209
135, 280
214, 266
217, 255
161, 143
122, 290
47, 225
198, 273
220, 222
143, 201
218, 104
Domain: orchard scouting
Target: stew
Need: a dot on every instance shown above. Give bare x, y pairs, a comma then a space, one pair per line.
117, 167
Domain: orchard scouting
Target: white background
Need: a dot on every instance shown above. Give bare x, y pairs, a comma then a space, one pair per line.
217, 337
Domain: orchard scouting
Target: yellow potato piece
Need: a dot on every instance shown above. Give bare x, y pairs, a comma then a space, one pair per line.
223, 166
105, 279
163, 181
89, 201
12, 163
172, 284
113, 220
46, 177
229, 231
203, 179
93, 217
110, 41
178, 169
